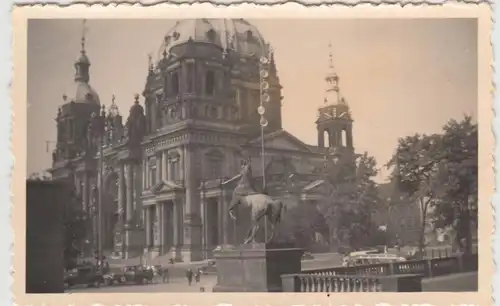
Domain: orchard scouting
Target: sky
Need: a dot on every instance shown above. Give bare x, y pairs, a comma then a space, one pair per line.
399, 76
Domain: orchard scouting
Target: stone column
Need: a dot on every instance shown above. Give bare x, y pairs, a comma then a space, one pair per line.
121, 205
85, 192
177, 229
203, 214
164, 167
182, 171
121, 192
226, 220
168, 168
192, 225
147, 210
349, 137
144, 167
158, 168
175, 219
130, 192
129, 210
163, 227
220, 219
159, 220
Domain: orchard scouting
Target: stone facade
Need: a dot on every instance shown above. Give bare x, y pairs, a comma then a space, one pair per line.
163, 168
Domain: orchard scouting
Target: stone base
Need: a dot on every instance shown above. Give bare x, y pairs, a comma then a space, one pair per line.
134, 243
191, 254
255, 267
176, 254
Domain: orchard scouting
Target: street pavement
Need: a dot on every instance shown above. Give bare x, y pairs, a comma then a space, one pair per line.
461, 282
320, 261
177, 284
450, 283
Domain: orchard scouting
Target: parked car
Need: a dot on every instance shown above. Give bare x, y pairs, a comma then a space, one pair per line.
307, 256
137, 274
113, 278
83, 275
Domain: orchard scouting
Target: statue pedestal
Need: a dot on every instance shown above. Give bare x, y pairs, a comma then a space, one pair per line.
255, 267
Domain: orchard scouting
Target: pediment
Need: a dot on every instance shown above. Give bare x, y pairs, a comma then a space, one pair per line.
166, 186
282, 140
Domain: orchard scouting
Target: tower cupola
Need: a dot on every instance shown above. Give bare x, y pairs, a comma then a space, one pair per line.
334, 124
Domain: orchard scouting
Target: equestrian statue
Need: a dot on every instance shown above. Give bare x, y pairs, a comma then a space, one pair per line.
261, 204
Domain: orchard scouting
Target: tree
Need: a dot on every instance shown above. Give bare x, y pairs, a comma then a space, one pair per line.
415, 166
301, 223
459, 179
74, 231
351, 198
40, 176
74, 221
440, 172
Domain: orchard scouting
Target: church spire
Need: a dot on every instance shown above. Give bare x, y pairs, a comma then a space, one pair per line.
332, 95
82, 64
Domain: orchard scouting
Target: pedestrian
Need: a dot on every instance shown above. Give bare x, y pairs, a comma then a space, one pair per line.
164, 275
189, 276
106, 267
197, 275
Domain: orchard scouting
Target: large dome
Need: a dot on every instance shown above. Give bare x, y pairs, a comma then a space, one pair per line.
84, 93
236, 34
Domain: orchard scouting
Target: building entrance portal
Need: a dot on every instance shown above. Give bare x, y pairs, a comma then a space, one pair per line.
168, 226
213, 224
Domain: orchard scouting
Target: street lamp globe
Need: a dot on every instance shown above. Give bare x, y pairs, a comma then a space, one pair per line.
263, 122
265, 97
264, 85
261, 110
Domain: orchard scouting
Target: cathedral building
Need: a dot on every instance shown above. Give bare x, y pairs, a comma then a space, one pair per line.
163, 168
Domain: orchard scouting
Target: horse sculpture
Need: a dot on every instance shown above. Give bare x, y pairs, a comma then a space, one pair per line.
261, 204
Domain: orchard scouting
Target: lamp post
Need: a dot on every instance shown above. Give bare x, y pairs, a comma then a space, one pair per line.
264, 98
98, 126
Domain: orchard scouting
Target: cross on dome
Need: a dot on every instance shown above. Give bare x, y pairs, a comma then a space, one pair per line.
84, 32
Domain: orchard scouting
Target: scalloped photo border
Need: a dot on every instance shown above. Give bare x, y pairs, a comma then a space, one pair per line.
13, 161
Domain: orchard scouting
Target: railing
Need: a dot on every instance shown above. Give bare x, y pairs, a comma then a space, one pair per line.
351, 283
390, 277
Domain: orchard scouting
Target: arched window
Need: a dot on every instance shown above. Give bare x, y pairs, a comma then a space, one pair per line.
71, 129
152, 171
344, 138
211, 35
174, 166
326, 137
210, 83
249, 35
175, 83
190, 78
214, 164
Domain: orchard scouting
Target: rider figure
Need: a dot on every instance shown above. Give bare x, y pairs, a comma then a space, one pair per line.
245, 185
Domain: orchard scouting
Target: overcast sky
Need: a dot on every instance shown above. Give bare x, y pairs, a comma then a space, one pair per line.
399, 76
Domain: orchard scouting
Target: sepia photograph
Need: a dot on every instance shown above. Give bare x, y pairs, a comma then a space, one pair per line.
252, 155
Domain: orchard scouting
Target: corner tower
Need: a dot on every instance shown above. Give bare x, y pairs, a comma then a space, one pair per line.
74, 115
334, 124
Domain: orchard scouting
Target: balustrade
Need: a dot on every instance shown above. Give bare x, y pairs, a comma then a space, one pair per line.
351, 283
403, 276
